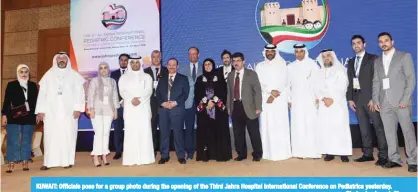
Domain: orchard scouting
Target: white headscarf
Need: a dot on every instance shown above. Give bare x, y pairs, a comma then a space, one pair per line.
305, 49
23, 82
277, 58
141, 70
55, 64
335, 63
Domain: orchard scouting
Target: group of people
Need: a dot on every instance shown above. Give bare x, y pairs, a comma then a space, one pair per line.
378, 89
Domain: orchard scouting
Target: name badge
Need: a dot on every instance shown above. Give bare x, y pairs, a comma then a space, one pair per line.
356, 83
155, 84
386, 84
59, 92
27, 106
105, 100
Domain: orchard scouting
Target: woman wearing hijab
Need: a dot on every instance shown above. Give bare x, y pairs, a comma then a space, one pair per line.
212, 137
103, 103
19, 118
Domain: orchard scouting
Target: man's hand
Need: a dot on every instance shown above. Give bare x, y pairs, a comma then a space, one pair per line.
328, 102
172, 104
76, 114
352, 105
135, 101
121, 104
4, 120
257, 112
317, 101
275, 93
403, 106
289, 105
115, 114
210, 104
40, 117
270, 99
377, 107
91, 113
371, 106
166, 105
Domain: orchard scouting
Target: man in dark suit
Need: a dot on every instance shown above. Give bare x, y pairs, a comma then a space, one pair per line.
156, 71
172, 92
359, 95
244, 104
118, 130
227, 67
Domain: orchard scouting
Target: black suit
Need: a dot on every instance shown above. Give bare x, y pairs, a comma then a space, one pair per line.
154, 104
118, 134
220, 72
361, 98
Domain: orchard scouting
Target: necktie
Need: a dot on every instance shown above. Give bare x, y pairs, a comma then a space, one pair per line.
157, 77
236, 88
194, 72
123, 71
357, 65
170, 84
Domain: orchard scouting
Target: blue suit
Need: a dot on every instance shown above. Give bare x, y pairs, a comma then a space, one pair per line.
172, 119
190, 116
118, 133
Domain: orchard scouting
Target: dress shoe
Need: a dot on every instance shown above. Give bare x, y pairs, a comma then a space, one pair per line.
256, 159
329, 158
44, 168
117, 156
391, 164
381, 162
345, 159
163, 161
239, 158
364, 159
412, 168
190, 156
182, 161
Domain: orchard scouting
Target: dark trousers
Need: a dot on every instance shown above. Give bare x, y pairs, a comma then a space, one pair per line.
118, 133
190, 131
364, 115
154, 122
240, 121
169, 121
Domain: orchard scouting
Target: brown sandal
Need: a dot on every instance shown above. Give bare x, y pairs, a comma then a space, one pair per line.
10, 168
25, 166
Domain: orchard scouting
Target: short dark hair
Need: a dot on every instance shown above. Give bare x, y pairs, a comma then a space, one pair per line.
197, 49
358, 37
238, 54
225, 52
172, 58
385, 33
124, 55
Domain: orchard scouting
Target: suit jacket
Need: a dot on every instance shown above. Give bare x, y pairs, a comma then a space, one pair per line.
179, 92
365, 79
116, 76
185, 70
163, 72
250, 93
14, 95
220, 71
401, 76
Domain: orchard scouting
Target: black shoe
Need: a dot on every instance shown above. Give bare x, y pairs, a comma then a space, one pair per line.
364, 159
68, 167
256, 159
381, 162
182, 161
391, 164
190, 156
345, 159
44, 168
163, 161
412, 168
117, 156
329, 158
239, 158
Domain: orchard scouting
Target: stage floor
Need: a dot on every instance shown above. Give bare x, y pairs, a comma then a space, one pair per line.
20, 181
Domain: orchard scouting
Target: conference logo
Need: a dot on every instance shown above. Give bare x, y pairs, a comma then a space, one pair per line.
114, 16
306, 23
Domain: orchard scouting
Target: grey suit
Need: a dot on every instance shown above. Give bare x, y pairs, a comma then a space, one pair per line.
402, 83
243, 112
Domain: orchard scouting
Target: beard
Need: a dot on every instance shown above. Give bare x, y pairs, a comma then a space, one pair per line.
62, 64
328, 65
270, 56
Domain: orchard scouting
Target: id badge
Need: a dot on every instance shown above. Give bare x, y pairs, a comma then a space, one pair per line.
27, 106
155, 84
59, 92
386, 84
356, 83
105, 100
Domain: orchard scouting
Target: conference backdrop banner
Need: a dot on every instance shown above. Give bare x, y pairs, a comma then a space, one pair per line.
103, 29
246, 26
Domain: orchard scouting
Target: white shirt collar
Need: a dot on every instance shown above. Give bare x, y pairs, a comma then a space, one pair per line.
390, 53
172, 75
227, 68
361, 54
240, 71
